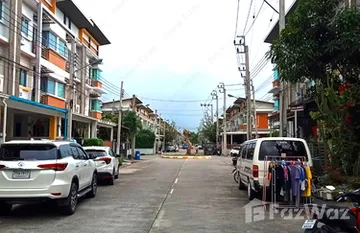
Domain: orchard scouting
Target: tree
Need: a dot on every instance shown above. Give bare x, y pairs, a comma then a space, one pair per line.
194, 138
145, 139
170, 133
320, 43
133, 123
208, 129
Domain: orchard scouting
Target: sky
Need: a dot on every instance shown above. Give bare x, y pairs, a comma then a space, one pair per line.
172, 54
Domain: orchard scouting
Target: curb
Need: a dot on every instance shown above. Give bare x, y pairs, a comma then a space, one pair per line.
185, 157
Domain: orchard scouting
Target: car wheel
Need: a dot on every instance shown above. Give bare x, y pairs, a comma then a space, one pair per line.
71, 201
117, 174
250, 192
92, 192
5, 209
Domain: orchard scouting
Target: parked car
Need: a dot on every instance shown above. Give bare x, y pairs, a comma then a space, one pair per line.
234, 152
170, 148
107, 164
176, 148
41, 171
210, 149
252, 160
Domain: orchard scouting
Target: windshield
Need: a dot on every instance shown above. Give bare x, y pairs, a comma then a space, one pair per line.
96, 153
28, 152
275, 148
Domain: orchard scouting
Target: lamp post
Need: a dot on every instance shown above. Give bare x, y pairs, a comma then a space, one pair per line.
72, 89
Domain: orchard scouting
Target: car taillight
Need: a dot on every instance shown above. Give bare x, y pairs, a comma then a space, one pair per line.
105, 159
54, 166
255, 171
2, 166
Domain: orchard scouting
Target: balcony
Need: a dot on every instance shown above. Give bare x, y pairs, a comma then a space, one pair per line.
53, 57
95, 114
96, 83
52, 100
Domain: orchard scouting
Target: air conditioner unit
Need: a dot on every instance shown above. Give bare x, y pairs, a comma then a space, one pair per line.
77, 108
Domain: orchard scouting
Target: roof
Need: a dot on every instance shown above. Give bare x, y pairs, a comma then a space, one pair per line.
241, 100
38, 142
138, 100
72, 11
274, 33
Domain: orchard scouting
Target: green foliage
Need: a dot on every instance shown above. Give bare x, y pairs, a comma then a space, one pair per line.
208, 129
170, 133
320, 42
132, 121
93, 142
145, 139
110, 117
194, 138
275, 134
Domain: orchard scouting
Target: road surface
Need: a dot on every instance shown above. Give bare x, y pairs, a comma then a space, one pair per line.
153, 196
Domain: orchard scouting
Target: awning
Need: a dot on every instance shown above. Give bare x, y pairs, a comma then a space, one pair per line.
83, 118
35, 107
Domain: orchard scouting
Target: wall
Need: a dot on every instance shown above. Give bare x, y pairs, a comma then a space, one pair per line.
60, 16
262, 120
145, 151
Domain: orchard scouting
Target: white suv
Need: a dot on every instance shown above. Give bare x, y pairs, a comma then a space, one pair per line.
107, 163
37, 171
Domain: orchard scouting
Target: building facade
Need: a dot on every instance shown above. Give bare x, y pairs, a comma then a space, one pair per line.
46, 46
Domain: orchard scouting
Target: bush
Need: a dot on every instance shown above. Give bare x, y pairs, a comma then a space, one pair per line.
145, 139
93, 142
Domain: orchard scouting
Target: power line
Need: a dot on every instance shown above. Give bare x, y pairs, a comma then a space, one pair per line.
247, 18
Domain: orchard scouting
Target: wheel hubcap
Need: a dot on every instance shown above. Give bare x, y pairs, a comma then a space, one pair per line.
73, 197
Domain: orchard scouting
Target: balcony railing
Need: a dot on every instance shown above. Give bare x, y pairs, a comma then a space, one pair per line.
53, 57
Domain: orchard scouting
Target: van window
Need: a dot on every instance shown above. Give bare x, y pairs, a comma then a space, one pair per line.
250, 151
243, 152
28, 152
276, 147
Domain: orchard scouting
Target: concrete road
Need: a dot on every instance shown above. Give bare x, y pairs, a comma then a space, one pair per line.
156, 195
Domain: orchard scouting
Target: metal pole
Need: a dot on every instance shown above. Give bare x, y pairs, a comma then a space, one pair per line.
118, 142
282, 89
224, 125
164, 134
248, 99
71, 90
255, 117
212, 113
156, 136
217, 121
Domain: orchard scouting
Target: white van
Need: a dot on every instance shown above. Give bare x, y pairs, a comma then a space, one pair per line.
252, 159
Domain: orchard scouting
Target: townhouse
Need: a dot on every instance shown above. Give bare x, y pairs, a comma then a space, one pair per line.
50, 64
236, 124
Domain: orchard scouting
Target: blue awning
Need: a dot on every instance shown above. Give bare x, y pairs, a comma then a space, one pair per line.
30, 102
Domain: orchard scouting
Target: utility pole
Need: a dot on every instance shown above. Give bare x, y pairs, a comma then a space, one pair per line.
222, 89
254, 110
164, 133
71, 89
212, 110
118, 141
216, 97
282, 107
156, 136
242, 48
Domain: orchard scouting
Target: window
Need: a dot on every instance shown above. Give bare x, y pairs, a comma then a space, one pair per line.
50, 40
93, 154
95, 74
51, 87
43, 84
64, 20
82, 154
28, 152
275, 148
95, 105
61, 90
75, 152
1, 10
23, 77
65, 151
25, 26
62, 48
250, 150
243, 151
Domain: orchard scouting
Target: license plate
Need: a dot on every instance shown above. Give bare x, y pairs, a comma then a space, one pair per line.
309, 224
21, 174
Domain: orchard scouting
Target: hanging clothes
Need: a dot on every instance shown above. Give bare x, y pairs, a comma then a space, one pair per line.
307, 192
295, 180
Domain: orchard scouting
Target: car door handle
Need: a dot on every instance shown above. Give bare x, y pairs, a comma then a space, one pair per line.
77, 165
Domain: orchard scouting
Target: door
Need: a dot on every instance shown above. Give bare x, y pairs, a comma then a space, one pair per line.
241, 163
79, 167
87, 169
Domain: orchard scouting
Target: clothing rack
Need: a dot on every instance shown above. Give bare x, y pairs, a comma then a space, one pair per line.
273, 186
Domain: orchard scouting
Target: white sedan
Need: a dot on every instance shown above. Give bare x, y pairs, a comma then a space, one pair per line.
107, 163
